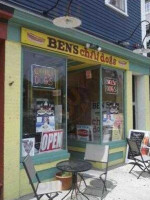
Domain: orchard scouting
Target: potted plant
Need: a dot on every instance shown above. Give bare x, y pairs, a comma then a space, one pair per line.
65, 178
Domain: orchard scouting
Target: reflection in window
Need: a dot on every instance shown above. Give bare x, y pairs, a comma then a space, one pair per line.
147, 6
44, 110
112, 105
83, 105
120, 5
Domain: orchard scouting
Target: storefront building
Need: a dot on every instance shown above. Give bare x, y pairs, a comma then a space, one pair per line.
58, 96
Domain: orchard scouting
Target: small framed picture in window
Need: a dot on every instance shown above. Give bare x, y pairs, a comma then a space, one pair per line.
28, 146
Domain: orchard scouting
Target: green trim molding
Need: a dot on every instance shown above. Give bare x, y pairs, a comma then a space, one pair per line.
140, 69
49, 157
81, 144
47, 173
116, 155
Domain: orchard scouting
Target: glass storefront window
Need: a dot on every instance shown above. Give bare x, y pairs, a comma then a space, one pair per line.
112, 105
83, 105
44, 103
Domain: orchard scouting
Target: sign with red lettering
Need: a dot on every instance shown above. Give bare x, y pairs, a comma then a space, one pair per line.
43, 77
51, 140
111, 85
60, 45
88, 74
85, 132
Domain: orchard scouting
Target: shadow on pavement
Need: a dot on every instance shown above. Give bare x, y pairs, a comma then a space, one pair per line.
95, 188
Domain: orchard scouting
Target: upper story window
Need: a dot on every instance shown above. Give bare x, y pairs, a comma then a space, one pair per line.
118, 5
147, 7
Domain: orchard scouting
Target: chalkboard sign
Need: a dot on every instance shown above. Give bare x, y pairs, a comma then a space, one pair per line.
136, 135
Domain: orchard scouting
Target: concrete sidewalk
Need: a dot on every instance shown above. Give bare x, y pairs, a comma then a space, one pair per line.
120, 184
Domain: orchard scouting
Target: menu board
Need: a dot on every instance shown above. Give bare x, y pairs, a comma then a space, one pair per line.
136, 135
43, 77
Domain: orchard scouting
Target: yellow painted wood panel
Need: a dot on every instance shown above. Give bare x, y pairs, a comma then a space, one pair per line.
128, 95
25, 187
12, 120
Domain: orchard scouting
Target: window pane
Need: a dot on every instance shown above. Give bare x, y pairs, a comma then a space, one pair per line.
147, 6
44, 109
83, 105
120, 4
112, 112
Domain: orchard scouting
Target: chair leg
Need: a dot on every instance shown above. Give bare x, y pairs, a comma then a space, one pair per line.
104, 180
50, 198
140, 174
102, 192
104, 183
104, 187
143, 170
132, 168
38, 197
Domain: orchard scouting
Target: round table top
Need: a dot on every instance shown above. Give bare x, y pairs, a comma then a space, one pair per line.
74, 166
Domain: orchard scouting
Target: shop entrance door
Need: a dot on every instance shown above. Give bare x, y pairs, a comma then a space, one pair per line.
139, 102
83, 105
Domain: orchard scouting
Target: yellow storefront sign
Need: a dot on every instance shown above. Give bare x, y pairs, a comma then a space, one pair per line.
59, 45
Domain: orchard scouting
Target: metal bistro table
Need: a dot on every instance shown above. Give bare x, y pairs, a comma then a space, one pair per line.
74, 166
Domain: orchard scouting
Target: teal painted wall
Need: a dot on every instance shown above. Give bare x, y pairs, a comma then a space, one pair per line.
141, 69
112, 156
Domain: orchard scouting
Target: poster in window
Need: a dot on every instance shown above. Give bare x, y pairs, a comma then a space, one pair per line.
107, 134
43, 77
112, 127
84, 132
108, 120
95, 119
114, 108
110, 107
117, 132
45, 118
28, 146
51, 140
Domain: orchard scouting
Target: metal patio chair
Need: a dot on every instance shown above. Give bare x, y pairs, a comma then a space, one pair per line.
142, 161
99, 154
50, 189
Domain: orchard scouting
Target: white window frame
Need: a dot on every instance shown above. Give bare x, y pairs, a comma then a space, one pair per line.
107, 2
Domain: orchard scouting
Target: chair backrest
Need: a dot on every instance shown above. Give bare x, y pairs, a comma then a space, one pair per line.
97, 153
31, 172
133, 147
